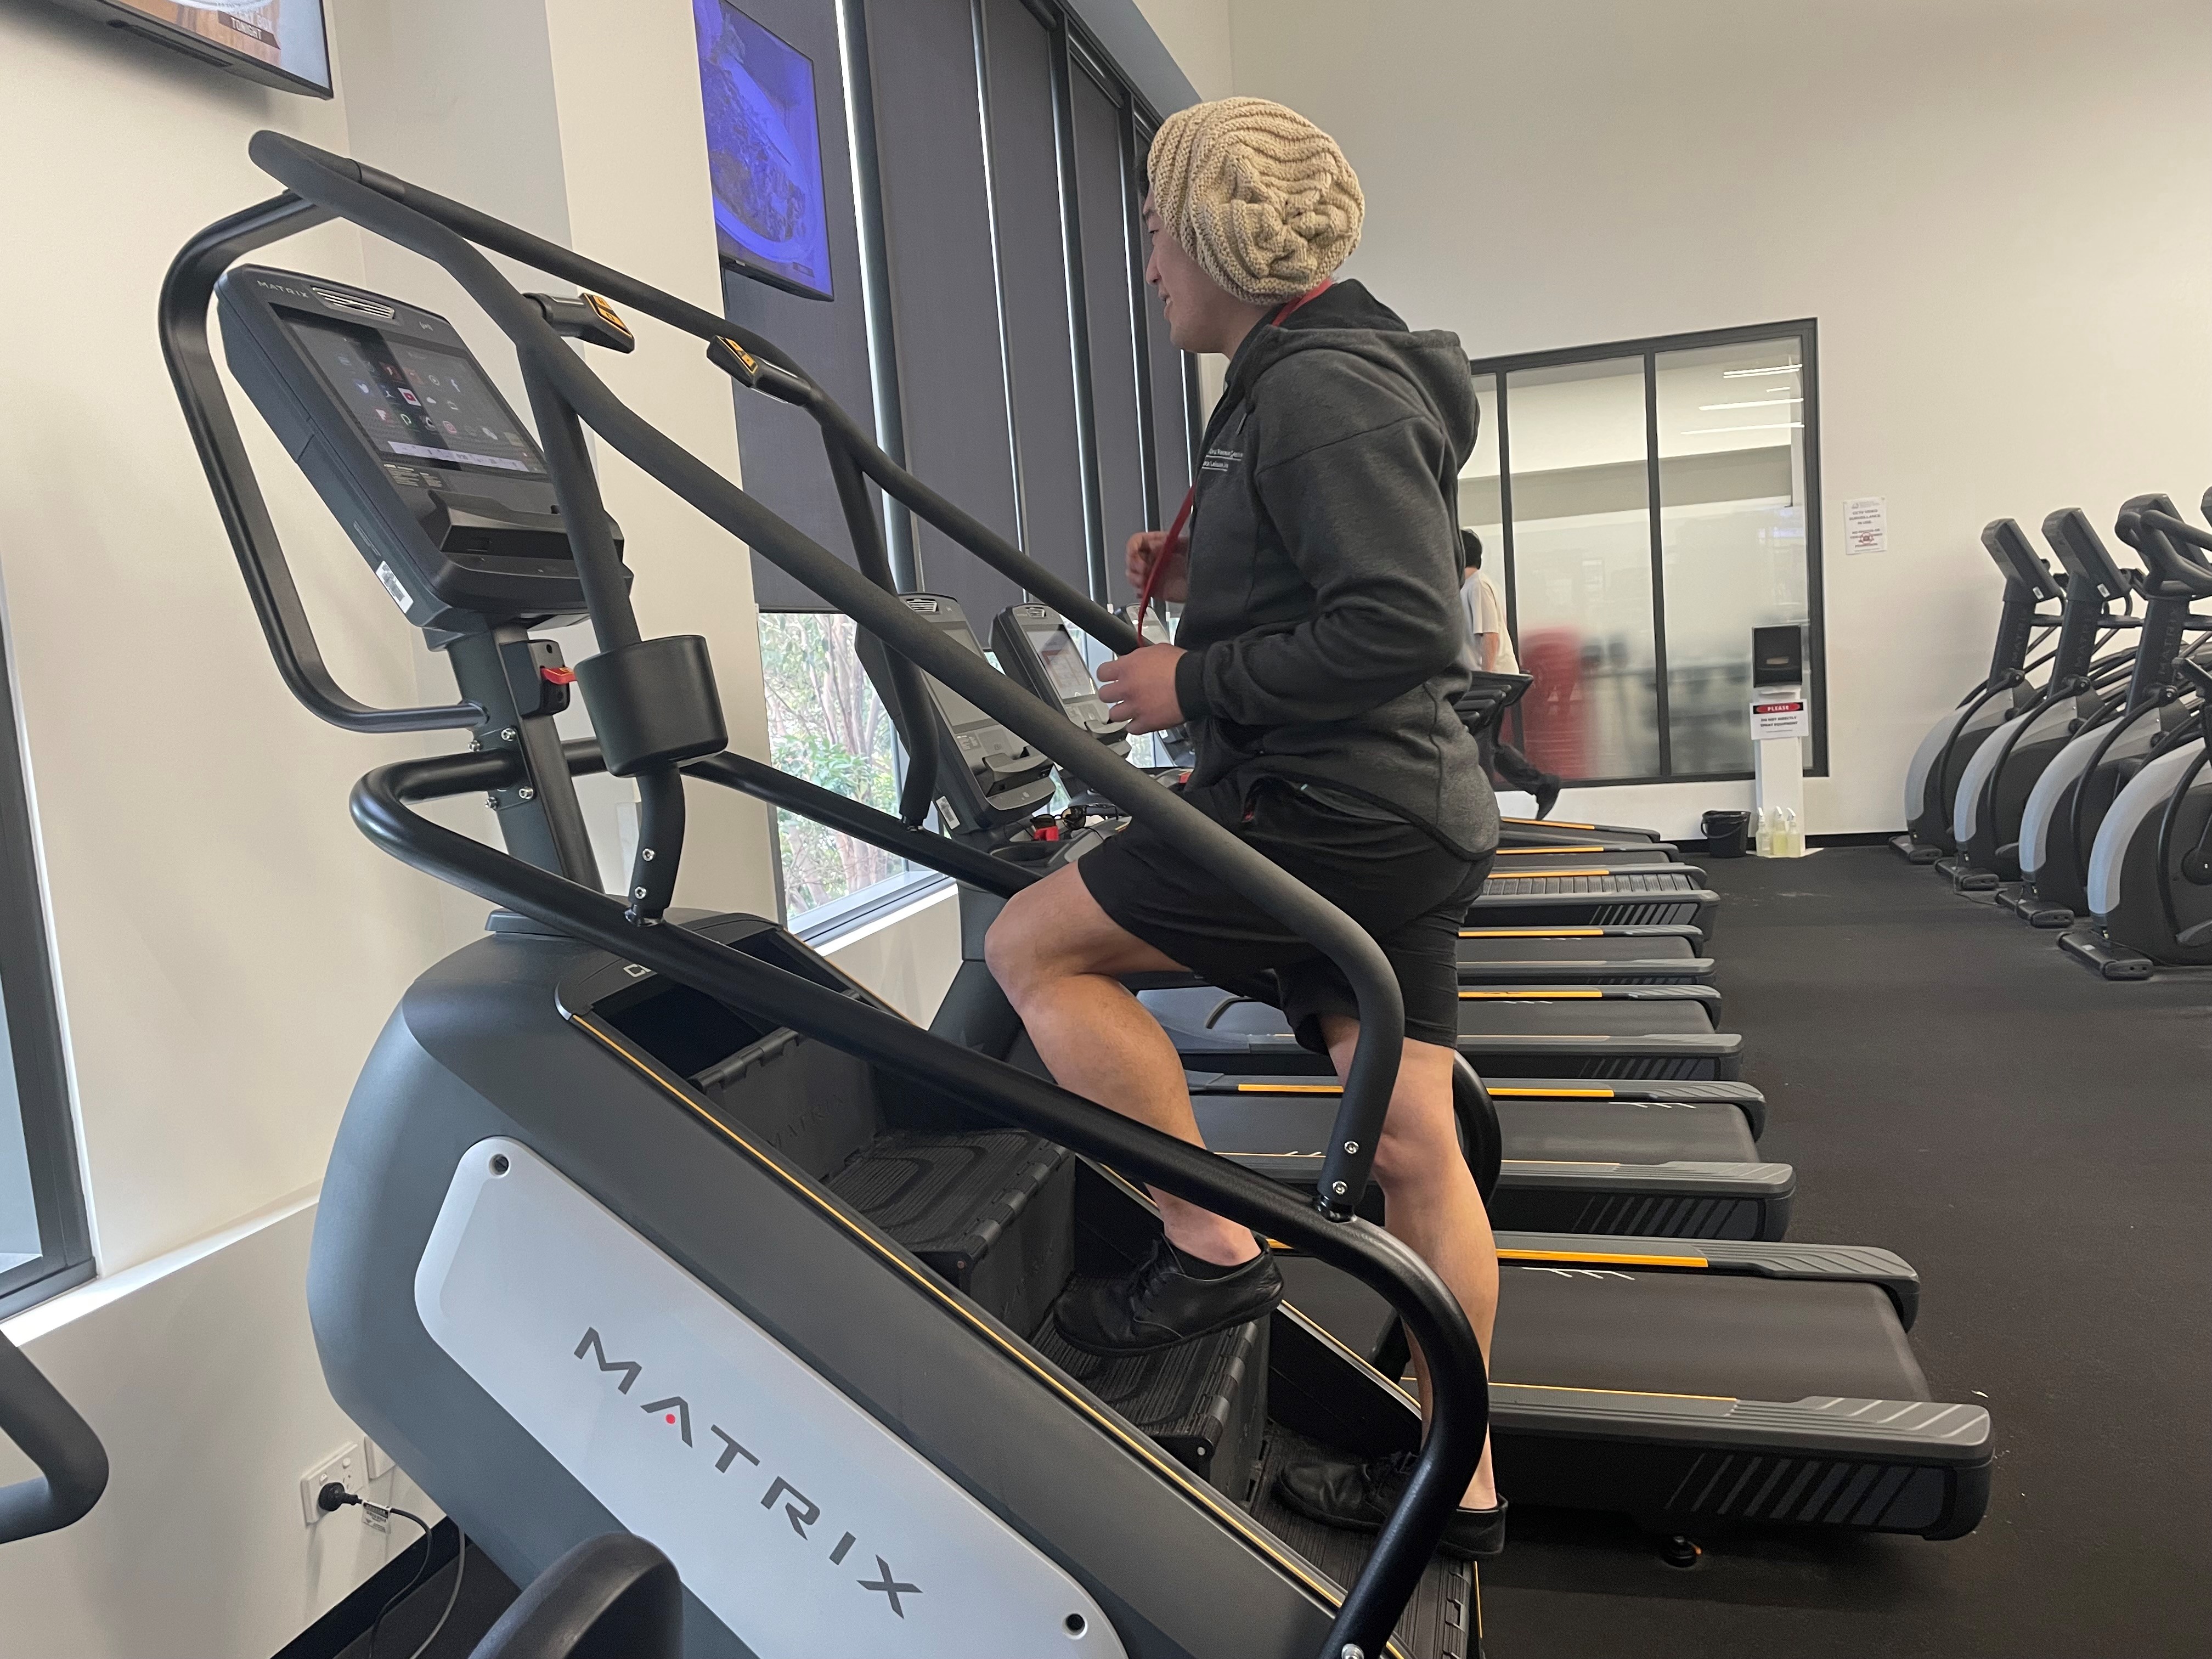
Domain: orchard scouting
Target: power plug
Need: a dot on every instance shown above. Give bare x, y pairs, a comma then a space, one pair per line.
344, 1468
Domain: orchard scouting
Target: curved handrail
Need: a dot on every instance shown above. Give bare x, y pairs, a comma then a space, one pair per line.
72, 1463
186, 291
615, 1596
380, 805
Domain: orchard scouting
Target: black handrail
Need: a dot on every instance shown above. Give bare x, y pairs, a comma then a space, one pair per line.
186, 292
72, 1463
614, 1597
1459, 1386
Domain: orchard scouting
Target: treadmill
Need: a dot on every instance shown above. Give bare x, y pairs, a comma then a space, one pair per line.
1033, 645
673, 1138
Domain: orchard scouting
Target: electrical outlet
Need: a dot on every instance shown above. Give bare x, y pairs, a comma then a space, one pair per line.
346, 1466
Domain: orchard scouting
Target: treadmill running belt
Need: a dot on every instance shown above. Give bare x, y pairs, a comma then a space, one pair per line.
1701, 1333
1540, 1017
1602, 948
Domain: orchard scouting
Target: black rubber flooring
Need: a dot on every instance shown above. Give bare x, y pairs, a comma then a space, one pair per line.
2038, 1143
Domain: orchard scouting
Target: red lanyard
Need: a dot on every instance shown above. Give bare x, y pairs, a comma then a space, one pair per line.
1168, 549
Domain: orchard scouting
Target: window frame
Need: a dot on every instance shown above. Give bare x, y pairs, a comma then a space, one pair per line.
33, 1012
1648, 351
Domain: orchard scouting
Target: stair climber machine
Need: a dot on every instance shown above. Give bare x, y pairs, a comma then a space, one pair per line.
613, 1596
2149, 887
1582, 1163
1994, 786
1931, 781
2066, 808
1610, 1333
657, 1222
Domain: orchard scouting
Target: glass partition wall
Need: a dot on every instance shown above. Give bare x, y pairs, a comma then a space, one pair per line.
1649, 505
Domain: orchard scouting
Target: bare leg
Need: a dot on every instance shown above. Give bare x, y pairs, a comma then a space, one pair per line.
1430, 1200
1057, 955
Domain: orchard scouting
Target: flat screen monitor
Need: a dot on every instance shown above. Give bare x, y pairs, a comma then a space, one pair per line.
417, 404
280, 43
763, 151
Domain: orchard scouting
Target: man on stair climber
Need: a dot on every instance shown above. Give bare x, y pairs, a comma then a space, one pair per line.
1321, 648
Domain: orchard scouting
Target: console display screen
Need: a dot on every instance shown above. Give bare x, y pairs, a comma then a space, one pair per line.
960, 714
1071, 675
416, 403
763, 151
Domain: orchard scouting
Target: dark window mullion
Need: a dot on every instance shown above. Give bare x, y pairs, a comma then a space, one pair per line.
1659, 703
1505, 536
983, 50
1816, 626
1132, 237
1079, 318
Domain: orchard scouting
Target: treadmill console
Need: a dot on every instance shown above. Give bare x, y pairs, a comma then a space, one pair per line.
409, 442
988, 778
1035, 647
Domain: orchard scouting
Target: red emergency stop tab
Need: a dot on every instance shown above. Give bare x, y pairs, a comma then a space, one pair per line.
558, 676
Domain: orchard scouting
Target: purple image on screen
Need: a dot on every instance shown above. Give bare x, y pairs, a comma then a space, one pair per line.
763, 151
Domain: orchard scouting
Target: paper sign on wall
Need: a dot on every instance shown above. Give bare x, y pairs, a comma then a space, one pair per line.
1781, 714
1866, 524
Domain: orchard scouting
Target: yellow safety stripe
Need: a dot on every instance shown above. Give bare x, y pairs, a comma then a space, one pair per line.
1524, 996
1290, 1088
1542, 852
1532, 933
1552, 1094
1549, 823
1607, 1258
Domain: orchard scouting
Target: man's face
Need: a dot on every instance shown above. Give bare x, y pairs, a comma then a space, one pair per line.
1185, 290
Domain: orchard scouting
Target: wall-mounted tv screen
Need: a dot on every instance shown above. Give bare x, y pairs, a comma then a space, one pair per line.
763, 151
280, 43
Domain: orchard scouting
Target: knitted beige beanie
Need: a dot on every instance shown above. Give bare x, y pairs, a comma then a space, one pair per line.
1261, 196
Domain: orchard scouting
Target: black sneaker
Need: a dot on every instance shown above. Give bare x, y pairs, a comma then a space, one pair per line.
1547, 795
1356, 1496
1157, 1304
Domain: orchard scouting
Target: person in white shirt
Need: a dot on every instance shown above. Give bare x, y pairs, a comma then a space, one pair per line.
1494, 655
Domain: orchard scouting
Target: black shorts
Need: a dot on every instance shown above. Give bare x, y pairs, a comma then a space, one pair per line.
1399, 883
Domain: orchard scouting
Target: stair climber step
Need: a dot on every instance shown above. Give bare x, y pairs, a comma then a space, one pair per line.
991, 1212
1440, 1622
1205, 1402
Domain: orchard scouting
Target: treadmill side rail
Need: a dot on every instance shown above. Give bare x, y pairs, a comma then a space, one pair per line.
1855, 1264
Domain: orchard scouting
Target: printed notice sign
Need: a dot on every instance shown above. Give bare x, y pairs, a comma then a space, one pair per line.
1780, 715
1866, 524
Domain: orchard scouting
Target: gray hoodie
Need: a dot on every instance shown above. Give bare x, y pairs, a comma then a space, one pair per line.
1324, 630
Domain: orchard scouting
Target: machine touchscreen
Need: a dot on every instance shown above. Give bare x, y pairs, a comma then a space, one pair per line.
415, 402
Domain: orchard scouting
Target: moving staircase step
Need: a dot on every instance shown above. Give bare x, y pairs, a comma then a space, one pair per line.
1441, 1622
1205, 1403
992, 1211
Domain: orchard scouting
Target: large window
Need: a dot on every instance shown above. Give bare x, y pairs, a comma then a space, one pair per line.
986, 159
1644, 507
43, 1243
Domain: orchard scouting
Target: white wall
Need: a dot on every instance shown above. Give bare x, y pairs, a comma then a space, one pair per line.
198, 1373
227, 944
1199, 34
2001, 233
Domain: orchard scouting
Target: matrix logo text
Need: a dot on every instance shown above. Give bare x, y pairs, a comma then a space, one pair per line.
801, 1511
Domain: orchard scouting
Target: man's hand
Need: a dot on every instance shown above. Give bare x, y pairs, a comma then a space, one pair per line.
1174, 585
1140, 687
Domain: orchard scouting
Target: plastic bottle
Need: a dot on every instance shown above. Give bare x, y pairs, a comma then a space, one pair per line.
1768, 818
1789, 840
